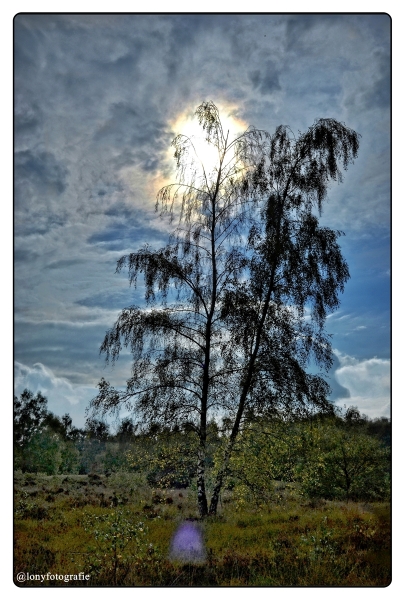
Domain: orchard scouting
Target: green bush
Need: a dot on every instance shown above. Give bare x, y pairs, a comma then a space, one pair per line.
117, 543
343, 463
43, 453
328, 458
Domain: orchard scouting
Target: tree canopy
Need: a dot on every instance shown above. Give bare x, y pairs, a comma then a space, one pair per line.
236, 302
30, 412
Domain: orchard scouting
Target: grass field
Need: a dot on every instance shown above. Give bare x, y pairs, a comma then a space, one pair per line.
118, 531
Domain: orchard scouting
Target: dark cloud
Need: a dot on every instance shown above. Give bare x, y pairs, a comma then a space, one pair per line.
40, 223
27, 44
112, 300
267, 79
121, 236
139, 134
298, 26
378, 95
27, 116
65, 348
40, 170
25, 256
70, 350
120, 211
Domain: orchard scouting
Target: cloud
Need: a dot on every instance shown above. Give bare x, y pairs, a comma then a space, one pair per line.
121, 234
27, 116
42, 169
41, 378
39, 179
338, 392
298, 30
267, 79
112, 300
62, 396
368, 382
71, 350
60, 264
139, 132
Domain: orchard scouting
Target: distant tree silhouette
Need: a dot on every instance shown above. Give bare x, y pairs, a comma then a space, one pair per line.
126, 430
97, 430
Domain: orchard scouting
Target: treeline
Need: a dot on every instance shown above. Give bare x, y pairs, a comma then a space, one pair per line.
46, 443
344, 456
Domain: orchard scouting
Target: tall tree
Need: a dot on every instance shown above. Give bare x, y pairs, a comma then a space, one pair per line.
225, 329
276, 317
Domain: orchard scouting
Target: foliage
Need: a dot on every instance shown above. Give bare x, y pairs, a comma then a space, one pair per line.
230, 326
173, 465
47, 452
91, 444
381, 429
340, 457
43, 453
25, 509
97, 430
168, 459
43, 442
29, 414
92, 455
117, 542
265, 452
340, 462
70, 458
327, 457
114, 459
126, 431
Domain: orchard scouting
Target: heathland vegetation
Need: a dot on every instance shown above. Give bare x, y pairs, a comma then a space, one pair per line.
306, 502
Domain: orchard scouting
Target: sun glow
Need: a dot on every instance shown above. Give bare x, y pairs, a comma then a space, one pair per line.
205, 155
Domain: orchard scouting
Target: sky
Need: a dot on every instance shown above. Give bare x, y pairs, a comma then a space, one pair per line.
98, 99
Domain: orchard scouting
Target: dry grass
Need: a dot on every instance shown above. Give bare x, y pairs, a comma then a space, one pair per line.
67, 525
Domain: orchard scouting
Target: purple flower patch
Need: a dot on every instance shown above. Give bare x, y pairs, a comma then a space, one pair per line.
187, 544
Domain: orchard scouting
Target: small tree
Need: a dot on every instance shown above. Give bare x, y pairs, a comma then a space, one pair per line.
43, 453
225, 328
29, 415
342, 462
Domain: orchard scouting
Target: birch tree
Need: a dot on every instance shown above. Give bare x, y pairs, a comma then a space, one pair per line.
235, 304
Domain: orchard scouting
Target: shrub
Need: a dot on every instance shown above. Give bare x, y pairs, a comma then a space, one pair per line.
342, 463
116, 544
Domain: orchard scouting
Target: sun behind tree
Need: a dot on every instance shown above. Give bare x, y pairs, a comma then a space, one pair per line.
202, 152
236, 302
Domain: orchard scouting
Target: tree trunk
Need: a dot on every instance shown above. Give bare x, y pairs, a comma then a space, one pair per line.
250, 370
219, 479
202, 500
